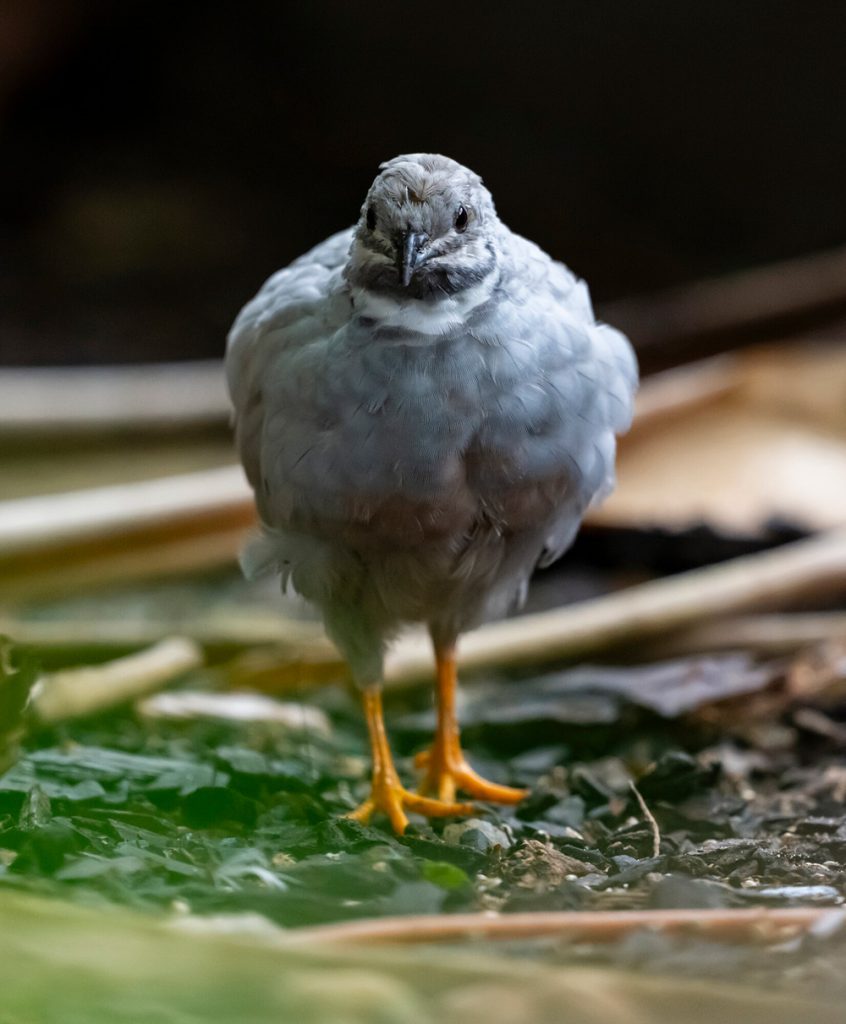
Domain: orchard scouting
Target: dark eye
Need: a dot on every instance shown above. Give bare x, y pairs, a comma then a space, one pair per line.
460, 219
371, 218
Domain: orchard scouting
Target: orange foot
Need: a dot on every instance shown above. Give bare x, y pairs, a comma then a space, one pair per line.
446, 770
388, 795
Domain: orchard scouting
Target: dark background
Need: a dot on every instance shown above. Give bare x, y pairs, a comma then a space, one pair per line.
160, 159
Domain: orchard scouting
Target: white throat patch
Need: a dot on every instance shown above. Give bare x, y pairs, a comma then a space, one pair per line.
424, 316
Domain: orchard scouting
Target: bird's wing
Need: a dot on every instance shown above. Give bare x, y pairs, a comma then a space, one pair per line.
563, 389
293, 307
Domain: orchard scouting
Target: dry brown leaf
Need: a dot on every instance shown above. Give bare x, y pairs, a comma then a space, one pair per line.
764, 440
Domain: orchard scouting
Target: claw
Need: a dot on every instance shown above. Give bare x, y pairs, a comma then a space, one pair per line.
444, 764
447, 770
387, 793
389, 796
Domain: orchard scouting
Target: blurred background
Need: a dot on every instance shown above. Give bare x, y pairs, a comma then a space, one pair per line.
160, 160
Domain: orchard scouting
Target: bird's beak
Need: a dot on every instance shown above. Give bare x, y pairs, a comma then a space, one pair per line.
411, 254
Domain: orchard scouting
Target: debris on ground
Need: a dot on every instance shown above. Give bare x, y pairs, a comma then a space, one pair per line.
212, 811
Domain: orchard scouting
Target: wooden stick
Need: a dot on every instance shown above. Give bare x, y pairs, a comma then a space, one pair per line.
731, 925
77, 400
226, 628
75, 692
146, 556
764, 634
812, 568
28, 524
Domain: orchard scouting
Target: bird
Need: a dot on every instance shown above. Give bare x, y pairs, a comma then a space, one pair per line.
425, 406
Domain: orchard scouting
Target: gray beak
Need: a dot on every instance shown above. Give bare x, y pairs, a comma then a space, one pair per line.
411, 254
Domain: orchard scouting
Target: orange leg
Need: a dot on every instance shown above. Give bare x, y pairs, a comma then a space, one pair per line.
445, 766
387, 794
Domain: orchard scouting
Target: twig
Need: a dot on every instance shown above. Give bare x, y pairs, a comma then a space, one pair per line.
650, 817
224, 967
73, 693
731, 925
815, 721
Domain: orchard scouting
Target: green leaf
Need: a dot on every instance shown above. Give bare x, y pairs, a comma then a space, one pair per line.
447, 876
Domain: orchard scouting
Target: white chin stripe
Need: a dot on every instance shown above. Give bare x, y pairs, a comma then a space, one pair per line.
424, 316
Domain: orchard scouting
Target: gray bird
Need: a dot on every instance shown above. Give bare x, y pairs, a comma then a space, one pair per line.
425, 406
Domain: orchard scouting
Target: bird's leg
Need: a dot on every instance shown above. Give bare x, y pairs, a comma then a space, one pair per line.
445, 766
387, 794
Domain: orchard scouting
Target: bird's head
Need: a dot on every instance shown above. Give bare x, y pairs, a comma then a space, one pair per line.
427, 229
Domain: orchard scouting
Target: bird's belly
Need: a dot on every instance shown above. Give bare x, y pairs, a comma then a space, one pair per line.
389, 492
393, 491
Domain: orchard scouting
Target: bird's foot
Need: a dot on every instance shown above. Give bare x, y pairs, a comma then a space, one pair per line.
446, 770
390, 797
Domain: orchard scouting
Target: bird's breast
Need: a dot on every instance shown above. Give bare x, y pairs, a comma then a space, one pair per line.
376, 453
399, 444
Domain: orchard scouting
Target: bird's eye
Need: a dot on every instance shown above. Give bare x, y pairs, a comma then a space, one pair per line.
371, 218
460, 219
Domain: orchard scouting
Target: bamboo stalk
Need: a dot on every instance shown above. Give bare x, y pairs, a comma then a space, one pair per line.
146, 556
77, 399
764, 634
73, 693
28, 524
226, 628
812, 568
729, 925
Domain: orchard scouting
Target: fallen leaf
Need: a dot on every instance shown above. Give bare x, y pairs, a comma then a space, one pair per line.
768, 444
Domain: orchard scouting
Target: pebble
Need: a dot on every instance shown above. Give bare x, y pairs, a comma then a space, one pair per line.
478, 834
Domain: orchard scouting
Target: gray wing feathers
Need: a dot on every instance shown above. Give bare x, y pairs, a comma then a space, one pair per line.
290, 309
572, 389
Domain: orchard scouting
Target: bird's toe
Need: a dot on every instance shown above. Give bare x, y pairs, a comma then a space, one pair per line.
392, 799
445, 772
